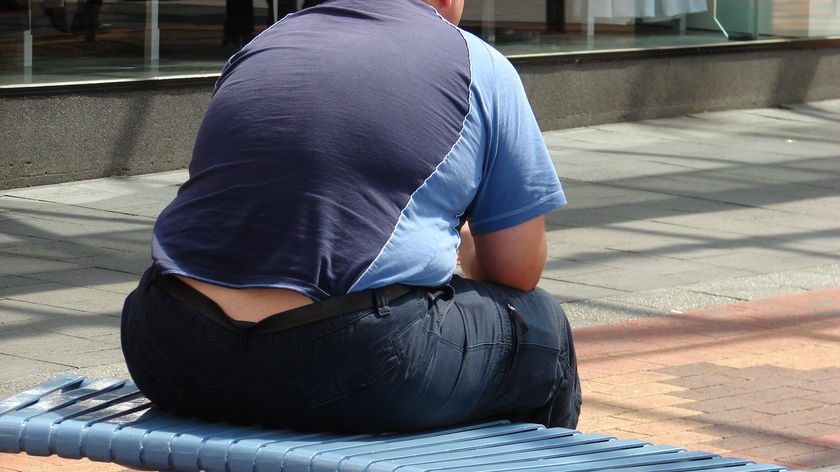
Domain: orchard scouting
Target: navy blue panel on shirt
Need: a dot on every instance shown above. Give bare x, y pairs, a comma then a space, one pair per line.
318, 133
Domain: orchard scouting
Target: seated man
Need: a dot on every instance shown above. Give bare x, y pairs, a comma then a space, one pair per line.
303, 277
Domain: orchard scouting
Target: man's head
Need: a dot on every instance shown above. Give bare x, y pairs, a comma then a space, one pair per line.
449, 9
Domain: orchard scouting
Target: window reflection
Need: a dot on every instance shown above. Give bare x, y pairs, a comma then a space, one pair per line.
49, 41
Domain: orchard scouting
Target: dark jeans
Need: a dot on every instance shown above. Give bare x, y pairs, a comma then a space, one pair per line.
464, 352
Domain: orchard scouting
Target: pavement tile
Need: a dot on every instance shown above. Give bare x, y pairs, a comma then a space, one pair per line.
23, 462
654, 401
828, 440
821, 434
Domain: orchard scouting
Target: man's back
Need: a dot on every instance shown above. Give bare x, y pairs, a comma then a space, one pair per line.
349, 140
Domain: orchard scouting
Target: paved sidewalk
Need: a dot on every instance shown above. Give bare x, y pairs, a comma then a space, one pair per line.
757, 380
699, 262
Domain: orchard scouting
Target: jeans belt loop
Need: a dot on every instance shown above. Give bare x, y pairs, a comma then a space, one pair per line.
383, 309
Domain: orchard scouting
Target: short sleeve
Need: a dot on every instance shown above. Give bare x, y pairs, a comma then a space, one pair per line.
519, 181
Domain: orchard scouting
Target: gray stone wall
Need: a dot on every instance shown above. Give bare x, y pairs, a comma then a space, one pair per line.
619, 88
83, 134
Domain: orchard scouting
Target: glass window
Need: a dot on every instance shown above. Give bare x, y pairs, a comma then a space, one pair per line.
68, 41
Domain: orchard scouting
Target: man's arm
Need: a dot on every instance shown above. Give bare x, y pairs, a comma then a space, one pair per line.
514, 256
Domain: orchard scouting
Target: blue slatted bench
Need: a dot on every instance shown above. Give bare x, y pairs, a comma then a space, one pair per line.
110, 421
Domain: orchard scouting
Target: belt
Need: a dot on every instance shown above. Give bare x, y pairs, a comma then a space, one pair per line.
318, 311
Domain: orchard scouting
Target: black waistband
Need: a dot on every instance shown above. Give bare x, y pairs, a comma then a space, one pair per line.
324, 309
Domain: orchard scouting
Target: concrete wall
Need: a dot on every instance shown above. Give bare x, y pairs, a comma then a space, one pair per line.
78, 134
619, 88
50, 136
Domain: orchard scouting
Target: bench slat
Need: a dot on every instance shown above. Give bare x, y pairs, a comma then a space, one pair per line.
110, 421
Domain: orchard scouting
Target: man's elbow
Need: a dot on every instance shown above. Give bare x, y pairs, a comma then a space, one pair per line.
521, 278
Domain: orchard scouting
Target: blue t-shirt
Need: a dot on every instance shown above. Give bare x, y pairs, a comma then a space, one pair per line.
343, 148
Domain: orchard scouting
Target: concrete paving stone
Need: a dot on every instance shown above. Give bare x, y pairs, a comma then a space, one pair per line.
763, 118
22, 266
763, 122
49, 249
828, 397
71, 298
8, 239
92, 277
785, 222
788, 406
827, 109
598, 360
119, 261
667, 428
687, 273
596, 237
642, 213
723, 227
694, 369
789, 420
135, 241
808, 277
15, 366
738, 190
749, 287
635, 378
98, 193
84, 240
8, 281
571, 217
827, 385
792, 452
702, 158
576, 256
566, 292
759, 260
660, 403
598, 312
672, 300
47, 330
828, 268
104, 330
43, 214
712, 378
66, 351
684, 131
726, 423
595, 137
661, 236
13, 311
807, 172
646, 273
828, 439
780, 144
70, 328
818, 208
684, 206
775, 194
17, 462
574, 271
594, 195
600, 406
